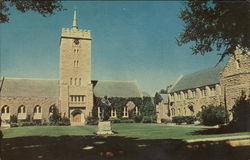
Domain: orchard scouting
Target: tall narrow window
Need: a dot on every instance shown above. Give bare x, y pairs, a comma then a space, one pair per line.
80, 81
237, 63
75, 81
70, 81
77, 63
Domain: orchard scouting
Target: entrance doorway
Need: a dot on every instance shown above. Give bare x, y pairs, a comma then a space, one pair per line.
77, 117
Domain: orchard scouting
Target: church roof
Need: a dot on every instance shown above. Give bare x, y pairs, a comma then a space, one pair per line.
123, 89
198, 79
27, 87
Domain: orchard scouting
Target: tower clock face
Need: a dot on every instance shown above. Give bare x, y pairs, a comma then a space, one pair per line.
76, 41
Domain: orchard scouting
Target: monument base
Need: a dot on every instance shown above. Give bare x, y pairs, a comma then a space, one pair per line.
104, 128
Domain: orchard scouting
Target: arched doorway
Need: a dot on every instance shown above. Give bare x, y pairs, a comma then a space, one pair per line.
77, 116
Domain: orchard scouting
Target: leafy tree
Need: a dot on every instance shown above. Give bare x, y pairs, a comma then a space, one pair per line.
44, 7
213, 115
157, 98
162, 91
147, 108
216, 25
55, 117
241, 114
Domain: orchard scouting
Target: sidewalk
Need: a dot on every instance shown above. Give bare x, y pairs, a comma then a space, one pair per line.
231, 140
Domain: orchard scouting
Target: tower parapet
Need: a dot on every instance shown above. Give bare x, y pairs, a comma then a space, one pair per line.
76, 33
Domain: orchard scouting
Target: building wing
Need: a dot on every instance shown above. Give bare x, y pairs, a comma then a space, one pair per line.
198, 79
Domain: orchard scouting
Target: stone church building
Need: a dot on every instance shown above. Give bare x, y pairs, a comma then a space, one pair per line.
72, 94
220, 85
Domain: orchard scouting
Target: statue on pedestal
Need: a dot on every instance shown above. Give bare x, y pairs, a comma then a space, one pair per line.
105, 106
104, 126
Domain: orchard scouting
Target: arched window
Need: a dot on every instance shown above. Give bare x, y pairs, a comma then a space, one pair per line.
37, 109
173, 111
237, 63
75, 81
71, 79
52, 109
203, 107
77, 63
5, 109
21, 109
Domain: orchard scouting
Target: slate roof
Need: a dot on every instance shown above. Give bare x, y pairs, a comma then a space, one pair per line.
27, 87
124, 89
145, 94
198, 79
164, 98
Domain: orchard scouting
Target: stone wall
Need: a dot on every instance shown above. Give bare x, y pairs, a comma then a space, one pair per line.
29, 102
181, 105
235, 78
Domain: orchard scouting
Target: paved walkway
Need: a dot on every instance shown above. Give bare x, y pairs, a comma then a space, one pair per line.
231, 140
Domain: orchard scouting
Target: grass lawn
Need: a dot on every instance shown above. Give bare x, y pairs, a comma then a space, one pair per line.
133, 142
140, 131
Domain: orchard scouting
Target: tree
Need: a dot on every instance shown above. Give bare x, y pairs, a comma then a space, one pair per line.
55, 117
241, 114
216, 25
157, 98
44, 7
213, 115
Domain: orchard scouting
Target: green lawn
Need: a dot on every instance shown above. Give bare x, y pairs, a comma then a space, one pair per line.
141, 131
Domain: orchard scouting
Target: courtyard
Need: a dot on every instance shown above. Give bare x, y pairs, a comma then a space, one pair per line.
131, 141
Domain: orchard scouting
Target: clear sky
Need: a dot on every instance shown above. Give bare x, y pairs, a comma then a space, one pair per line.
131, 41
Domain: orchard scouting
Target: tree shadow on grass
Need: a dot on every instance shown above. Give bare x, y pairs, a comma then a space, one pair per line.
114, 147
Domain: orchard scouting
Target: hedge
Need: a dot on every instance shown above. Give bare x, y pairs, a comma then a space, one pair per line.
184, 119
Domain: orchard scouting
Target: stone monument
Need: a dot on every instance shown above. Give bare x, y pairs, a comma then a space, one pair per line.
104, 126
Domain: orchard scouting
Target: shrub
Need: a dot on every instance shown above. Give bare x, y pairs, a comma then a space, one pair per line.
64, 122
92, 120
26, 124
37, 122
13, 119
178, 119
213, 115
164, 120
127, 121
147, 119
183, 119
114, 120
45, 123
241, 114
55, 117
14, 125
138, 118
190, 119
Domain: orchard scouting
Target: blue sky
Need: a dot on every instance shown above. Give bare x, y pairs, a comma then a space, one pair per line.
131, 41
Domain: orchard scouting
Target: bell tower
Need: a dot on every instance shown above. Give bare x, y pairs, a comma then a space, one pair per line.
76, 91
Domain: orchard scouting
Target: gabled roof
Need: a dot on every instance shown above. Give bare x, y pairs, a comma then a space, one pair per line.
145, 94
27, 87
198, 79
123, 89
164, 98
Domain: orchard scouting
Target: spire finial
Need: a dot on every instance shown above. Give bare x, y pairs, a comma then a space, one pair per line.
74, 20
